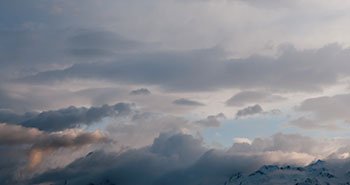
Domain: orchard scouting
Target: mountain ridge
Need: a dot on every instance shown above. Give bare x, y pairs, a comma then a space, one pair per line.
316, 173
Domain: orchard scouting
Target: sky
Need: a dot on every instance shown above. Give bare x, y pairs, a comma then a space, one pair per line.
101, 87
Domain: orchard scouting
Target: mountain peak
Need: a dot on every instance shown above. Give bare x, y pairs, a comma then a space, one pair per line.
317, 164
315, 173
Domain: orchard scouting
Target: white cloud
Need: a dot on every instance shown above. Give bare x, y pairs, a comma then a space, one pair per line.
241, 140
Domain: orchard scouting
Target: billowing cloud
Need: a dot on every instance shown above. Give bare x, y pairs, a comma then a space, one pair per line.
143, 127
168, 152
64, 64
249, 111
212, 120
17, 135
168, 160
181, 159
41, 143
187, 102
54, 141
70, 117
256, 110
248, 97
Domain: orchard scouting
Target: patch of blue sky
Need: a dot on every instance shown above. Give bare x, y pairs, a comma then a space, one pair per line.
253, 127
262, 127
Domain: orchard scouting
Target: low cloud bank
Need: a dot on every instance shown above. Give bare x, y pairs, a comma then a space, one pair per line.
183, 159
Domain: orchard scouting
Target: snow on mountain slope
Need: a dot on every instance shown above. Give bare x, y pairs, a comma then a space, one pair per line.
316, 173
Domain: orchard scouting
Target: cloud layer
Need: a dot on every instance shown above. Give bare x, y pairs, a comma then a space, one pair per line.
294, 70
181, 159
34, 145
70, 117
194, 75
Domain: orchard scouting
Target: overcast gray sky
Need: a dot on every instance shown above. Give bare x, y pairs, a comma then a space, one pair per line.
132, 80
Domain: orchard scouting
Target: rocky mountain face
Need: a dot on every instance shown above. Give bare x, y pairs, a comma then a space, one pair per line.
316, 173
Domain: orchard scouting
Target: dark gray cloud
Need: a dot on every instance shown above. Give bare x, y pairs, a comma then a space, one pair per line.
142, 91
166, 154
11, 161
249, 111
255, 110
212, 120
9, 116
293, 70
88, 44
177, 159
182, 159
27, 51
70, 117
187, 102
248, 97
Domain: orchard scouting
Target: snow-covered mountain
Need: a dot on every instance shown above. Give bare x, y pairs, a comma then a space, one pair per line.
316, 173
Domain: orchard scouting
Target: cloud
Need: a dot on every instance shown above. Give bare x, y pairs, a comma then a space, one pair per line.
17, 135
58, 40
12, 102
169, 160
143, 127
41, 143
249, 111
44, 48
54, 141
9, 116
166, 154
54, 54
312, 124
325, 112
212, 120
294, 70
42, 148
290, 143
255, 110
248, 97
130, 126
242, 140
71, 117
142, 91
187, 102
271, 4
280, 148
88, 43
182, 159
